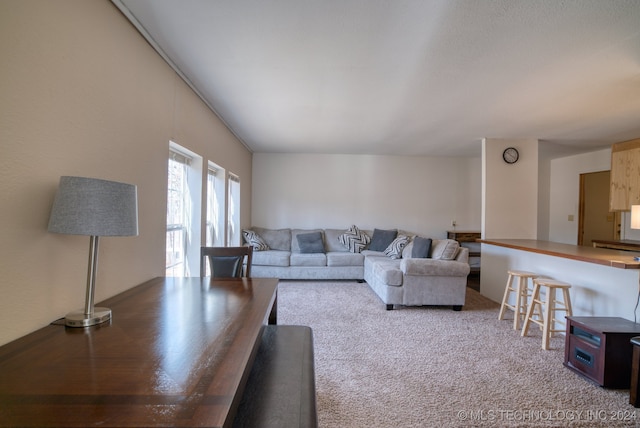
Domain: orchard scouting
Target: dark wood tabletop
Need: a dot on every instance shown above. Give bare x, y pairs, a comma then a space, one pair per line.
176, 354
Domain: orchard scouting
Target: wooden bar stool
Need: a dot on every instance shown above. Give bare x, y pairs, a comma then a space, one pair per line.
550, 305
521, 289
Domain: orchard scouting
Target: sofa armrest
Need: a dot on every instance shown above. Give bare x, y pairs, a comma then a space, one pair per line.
463, 255
431, 267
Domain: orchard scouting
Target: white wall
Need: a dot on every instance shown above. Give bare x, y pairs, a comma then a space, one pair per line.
564, 195
510, 191
84, 94
418, 194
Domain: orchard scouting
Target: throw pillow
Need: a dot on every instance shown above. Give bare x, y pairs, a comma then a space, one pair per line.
421, 247
382, 239
254, 240
310, 242
354, 239
445, 249
394, 250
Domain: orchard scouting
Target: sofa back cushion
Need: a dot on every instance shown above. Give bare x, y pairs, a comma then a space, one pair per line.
276, 239
332, 240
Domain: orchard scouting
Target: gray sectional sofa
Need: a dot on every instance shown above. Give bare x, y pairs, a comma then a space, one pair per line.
439, 279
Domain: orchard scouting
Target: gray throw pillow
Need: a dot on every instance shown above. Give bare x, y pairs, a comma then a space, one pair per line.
310, 242
421, 247
382, 238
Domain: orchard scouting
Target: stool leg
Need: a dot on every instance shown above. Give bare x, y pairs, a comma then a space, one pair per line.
534, 301
548, 317
538, 313
520, 308
505, 298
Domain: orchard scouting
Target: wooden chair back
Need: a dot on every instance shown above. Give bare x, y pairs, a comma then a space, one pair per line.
226, 262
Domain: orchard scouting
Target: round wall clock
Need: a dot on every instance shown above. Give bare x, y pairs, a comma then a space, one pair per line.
510, 155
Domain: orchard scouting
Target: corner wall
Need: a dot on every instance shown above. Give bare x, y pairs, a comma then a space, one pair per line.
84, 94
510, 191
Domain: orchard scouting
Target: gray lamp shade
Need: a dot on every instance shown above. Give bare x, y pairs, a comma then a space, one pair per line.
89, 206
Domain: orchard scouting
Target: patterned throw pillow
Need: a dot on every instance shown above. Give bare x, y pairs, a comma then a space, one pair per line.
444, 249
394, 250
354, 239
254, 240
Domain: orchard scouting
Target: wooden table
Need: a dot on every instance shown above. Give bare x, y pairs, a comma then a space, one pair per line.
177, 353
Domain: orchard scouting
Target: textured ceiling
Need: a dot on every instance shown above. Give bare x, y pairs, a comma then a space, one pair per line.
413, 77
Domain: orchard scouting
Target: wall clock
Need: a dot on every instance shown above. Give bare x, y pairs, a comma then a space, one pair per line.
510, 155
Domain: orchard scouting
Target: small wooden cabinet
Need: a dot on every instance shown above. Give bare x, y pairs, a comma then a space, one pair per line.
468, 239
599, 349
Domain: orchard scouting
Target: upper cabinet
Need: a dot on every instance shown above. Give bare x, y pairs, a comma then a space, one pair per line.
625, 175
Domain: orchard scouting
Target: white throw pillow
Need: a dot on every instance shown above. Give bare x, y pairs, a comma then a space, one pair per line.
394, 250
254, 240
354, 239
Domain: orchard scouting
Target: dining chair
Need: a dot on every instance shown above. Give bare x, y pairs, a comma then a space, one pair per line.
226, 262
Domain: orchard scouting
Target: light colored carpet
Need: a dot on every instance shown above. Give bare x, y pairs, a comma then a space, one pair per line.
434, 367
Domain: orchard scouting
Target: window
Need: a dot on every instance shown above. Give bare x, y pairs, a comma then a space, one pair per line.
233, 211
184, 188
215, 207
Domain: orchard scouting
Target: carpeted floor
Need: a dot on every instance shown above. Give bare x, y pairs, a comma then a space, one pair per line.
434, 367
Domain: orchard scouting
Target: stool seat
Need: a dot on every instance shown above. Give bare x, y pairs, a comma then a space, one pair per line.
523, 273
548, 282
522, 294
547, 308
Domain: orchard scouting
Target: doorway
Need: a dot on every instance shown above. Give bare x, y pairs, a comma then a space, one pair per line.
595, 220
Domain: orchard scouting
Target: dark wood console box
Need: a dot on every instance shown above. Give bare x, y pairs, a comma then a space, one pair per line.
599, 348
464, 237
177, 353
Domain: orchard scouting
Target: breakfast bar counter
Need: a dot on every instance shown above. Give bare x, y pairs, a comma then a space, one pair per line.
597, 255
604, 282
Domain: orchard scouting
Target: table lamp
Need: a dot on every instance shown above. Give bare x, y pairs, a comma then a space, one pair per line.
635, 216
93, 207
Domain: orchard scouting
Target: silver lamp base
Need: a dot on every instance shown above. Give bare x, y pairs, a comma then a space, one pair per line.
80, 319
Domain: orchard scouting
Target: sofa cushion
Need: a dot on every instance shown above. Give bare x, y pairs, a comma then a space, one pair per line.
388, 272
310, 242
332, 240
444, 249
276, 239
254, 240
344, 258
355, 239
394, 250
382, 238
421, 247
430, 267
308, 259
271, 258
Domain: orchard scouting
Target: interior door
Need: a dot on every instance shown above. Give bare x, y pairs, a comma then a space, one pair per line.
596, 221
